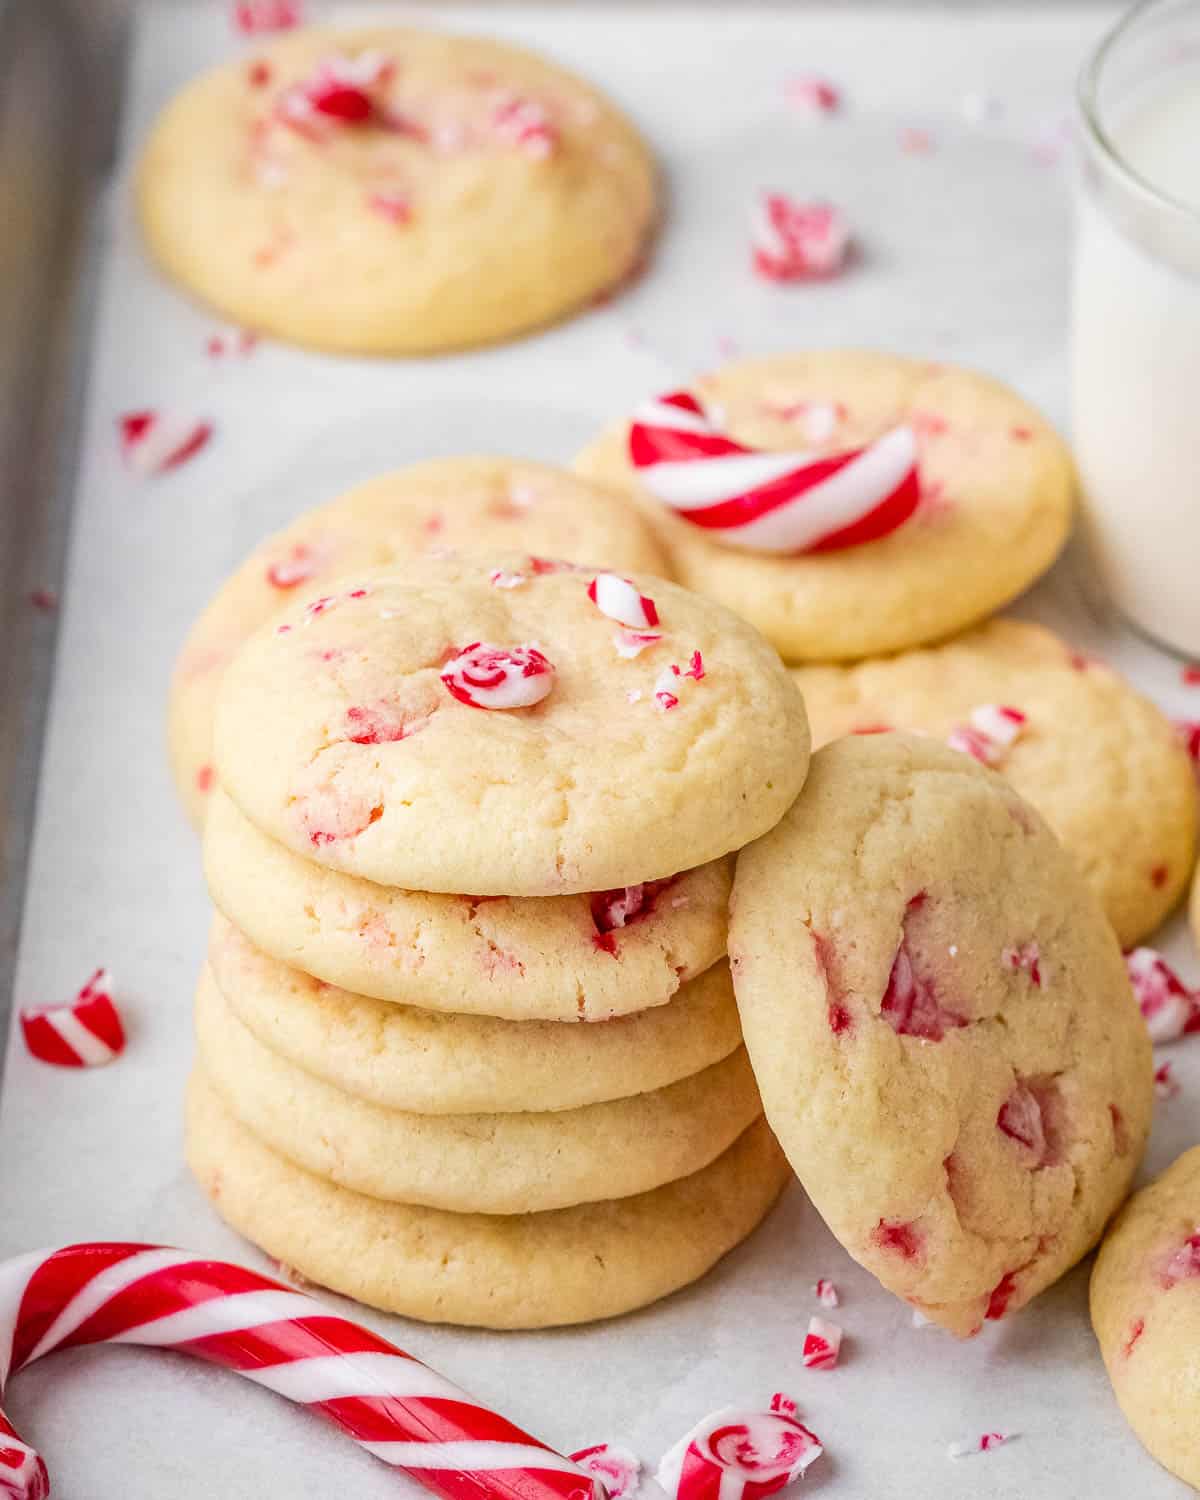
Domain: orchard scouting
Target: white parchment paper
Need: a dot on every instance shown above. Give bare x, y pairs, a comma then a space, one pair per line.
964, 256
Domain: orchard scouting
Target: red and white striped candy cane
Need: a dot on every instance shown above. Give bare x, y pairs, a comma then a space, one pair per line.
390, 1403
762, 501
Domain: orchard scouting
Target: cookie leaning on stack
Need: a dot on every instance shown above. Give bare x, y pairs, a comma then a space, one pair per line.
482, 845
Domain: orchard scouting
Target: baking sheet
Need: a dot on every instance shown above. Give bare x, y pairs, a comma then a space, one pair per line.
964, 257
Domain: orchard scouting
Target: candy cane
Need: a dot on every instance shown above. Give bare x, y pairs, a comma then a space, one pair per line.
761, 501
390, 1404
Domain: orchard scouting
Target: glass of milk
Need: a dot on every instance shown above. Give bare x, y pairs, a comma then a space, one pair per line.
1136, 319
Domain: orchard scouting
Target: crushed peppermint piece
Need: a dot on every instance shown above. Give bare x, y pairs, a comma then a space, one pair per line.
982, 1444
670, 680
86, 1033
499, 579
919, 1320
1025, 959
298, 567
990, 731
822, 1344
618, 1469
740, 1455
1166, 1085
631, 643
253, 17
154, 442
1189, 732
498, 677
396, 208
795, 241
617, 598
340, 94
230, 342
525, 124
1169, 1008
1021, 1119
827, 1293
813, 95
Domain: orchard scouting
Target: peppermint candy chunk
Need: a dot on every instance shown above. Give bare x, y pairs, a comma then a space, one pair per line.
298, 567
484, 676
618, 1469
339, 94
990, 731
500, 579
827, 1293
525, 124
765, 501
153, 442
670, 681
794, 241
813, 95
822, 1344
1166, 1085
738, 1454
1169, 1008
254, 17
83, 1034
617, 598
631, 643
984, 1443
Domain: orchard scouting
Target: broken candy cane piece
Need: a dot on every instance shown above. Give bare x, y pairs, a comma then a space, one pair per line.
525, 124
827, 1294
631, 643
1025, 959
499, 579
83, 1034
1166, 1085
617, 598
253, 17
618, 1469
153, 442
767, 501
398, 1409
486, 676
1020, 1118
740, 1455
298, 567
1169, 1008
822, 1344
339, 94
982, 1444
812, 94
991, 729
794, 241
670, 681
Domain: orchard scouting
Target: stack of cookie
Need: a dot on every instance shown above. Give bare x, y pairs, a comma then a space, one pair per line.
465, 806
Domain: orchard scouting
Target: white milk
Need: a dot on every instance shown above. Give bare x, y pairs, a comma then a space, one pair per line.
1136, 378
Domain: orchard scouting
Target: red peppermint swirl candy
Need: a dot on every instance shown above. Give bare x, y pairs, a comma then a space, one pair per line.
486, 676
765, 501
740, 1455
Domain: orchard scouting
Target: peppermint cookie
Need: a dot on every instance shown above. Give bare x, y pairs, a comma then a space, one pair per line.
514, 1163
568, 1265
941, 1024
846, 503
394, 192
1103, 766
549, 958
473, 724
432, 1062
1145, 1301
447, 503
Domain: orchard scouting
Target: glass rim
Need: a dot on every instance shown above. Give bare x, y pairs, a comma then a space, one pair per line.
1086, 90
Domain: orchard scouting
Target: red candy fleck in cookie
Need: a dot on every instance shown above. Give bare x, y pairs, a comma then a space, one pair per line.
740, 1455
298, 567
898, 1238
617, 598
381, 724
812, 94
84, 1034
793, 241
1020, 1118
617, 1469
822, 1345
253, 17
154, 442
524, 123
1136, 1329
910, 1002
499, 677
670, 681
1183, 1264
394, 207
1025, 959
1001, 1295
982, 1444
205, 777
1169, 1008
499, 579
339, 95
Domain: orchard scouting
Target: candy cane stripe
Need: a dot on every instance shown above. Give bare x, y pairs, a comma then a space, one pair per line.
764, 501
394, 1406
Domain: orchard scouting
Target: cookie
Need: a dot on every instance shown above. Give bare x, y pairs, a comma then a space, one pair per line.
1145, 1303
569, 1265
430, 1062
963, 497
941, 1025
548, 958
394, 191
473, 1163
445, 503
468, 724
1101, 763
